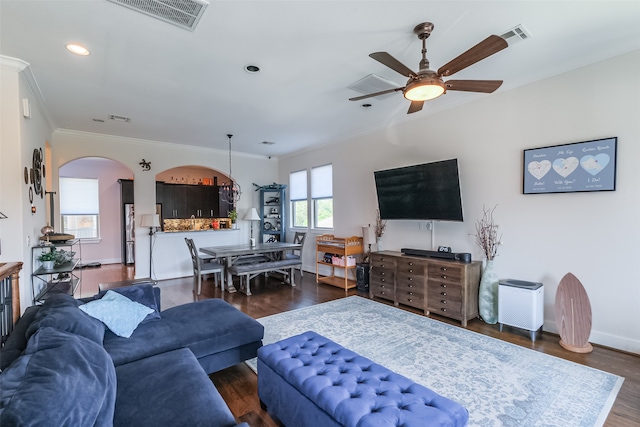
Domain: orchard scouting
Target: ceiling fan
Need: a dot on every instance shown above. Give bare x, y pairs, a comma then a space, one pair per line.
427, 84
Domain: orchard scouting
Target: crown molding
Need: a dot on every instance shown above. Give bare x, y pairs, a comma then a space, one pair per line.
23, 67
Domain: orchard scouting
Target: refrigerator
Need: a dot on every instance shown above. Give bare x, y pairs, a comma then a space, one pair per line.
129, 234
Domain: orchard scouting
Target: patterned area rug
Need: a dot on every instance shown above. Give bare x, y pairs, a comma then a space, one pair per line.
501, 384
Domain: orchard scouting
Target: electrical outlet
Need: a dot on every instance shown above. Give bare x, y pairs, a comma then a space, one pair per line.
425, 226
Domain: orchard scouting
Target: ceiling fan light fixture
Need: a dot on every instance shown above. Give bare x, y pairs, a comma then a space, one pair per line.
424, 90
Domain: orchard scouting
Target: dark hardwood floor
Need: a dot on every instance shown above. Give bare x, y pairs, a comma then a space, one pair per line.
238, 384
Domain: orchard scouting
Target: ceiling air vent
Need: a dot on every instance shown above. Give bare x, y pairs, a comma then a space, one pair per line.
119, 118
372, 84
516, 34
182, 13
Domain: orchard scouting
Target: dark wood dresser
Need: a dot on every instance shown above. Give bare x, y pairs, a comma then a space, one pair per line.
447, 288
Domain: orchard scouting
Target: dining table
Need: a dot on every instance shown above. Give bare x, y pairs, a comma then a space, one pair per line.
272, 251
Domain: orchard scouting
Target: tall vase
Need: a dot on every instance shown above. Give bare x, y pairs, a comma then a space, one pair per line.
379, 243
488, 298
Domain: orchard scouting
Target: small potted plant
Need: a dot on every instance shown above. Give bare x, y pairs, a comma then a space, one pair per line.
234, 216
48, 259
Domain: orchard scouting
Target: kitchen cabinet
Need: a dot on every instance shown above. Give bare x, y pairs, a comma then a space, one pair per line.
180, 201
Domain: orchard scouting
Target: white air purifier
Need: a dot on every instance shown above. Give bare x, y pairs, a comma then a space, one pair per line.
521, 304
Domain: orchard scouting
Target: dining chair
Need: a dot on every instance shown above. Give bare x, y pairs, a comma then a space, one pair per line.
297, 253
203, 265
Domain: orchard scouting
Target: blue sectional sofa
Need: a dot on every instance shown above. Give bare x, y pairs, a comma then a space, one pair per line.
63, 367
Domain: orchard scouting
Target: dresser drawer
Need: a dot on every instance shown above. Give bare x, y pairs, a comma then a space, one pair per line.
382, 290
445, 273
410, 298
445, 307
412, 267
382, 274
410, 283
383, 262
444, 290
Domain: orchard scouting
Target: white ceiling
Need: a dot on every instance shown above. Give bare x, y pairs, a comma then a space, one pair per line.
191, 88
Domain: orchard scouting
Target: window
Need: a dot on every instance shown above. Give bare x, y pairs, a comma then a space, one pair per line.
322, 196
298, 195
79, 207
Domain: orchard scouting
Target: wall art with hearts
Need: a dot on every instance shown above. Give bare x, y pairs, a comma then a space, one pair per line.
568, 168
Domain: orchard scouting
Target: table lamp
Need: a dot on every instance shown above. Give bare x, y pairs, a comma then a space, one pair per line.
152, 221
252, 215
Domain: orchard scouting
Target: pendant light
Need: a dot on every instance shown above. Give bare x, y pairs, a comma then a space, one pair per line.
233, 190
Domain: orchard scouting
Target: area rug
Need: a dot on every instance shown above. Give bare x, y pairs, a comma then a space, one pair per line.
501, 384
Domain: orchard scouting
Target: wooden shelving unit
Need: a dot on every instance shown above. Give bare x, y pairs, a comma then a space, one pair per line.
340, 247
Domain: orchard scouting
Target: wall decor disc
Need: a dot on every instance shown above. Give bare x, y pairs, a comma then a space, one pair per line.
43, 174
37, 168
31, 175
30, 194
26, 175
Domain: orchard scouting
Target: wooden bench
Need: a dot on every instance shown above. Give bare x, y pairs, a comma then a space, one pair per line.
246, 272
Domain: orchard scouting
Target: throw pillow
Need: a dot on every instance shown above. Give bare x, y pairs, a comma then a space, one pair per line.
140, 293
121, 315
62, 379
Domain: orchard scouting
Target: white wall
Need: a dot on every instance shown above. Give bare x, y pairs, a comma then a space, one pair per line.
69, 145
19, 136
596, 236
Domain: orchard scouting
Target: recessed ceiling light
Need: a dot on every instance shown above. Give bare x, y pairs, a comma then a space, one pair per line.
268, 142
98, 120
252, 69
366, 105
78, 49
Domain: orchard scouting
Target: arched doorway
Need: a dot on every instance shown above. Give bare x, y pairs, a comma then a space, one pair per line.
103, 245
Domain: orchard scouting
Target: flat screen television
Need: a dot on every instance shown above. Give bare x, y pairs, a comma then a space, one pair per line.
430, 191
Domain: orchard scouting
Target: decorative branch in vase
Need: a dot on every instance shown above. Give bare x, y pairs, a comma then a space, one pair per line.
380, 228
487, 234
488, 240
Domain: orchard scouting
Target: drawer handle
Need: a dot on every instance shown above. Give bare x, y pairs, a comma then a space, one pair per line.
410, 270
410, 263
444, 294
444, 301
410, 278
443, 285
443, 276
382, 280
410, 293
382, 273
410, 286
382, 293
410, 300
443, 268
443, 309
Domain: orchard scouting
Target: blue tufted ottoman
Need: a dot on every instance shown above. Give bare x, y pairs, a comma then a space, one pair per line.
309, 381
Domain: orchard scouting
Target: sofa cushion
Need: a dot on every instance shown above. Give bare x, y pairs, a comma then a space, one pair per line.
17, 341
205, 327
60, 311
140, 293
63, 379
121, 315
168, 389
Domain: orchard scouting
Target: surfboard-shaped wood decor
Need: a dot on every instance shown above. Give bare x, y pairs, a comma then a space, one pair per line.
573, 315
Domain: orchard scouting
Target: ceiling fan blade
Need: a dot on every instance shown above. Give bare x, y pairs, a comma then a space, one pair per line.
486, 86
385, 59
415, 106
482, 50
358, 98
